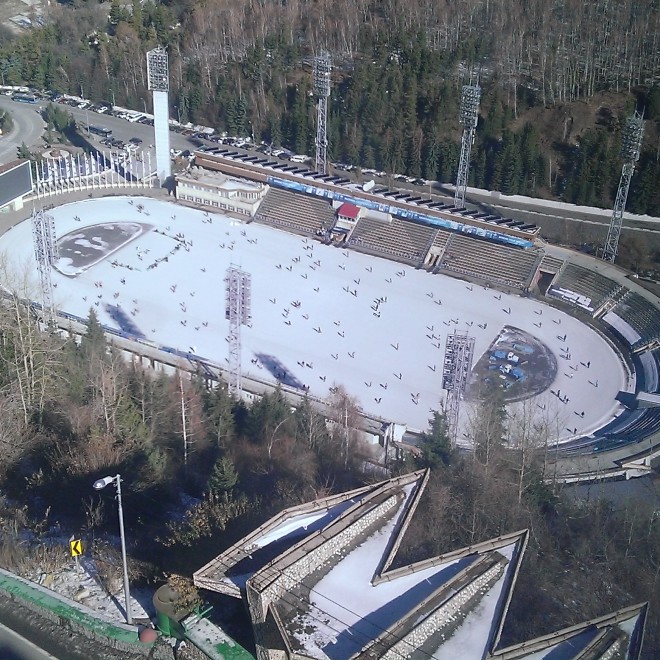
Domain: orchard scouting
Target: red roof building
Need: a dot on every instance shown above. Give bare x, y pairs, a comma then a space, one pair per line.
349, 211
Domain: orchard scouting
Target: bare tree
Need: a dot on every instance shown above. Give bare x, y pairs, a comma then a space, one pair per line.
29, 353
344, 413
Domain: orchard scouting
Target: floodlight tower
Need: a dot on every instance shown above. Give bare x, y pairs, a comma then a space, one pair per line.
468, 116
630, 147
159, 84
322, 68
45, 252
459, 352
238, 311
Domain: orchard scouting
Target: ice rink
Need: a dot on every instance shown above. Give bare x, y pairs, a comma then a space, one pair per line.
324, 315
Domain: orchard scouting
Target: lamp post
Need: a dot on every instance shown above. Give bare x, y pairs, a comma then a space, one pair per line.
145, 105
100, 485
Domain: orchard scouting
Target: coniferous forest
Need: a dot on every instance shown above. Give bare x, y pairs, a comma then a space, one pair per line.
558, 80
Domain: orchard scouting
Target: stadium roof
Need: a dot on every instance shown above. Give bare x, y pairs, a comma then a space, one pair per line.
319, 584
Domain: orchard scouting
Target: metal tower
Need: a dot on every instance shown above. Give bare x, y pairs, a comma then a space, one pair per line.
159, 84
630, 147
459, 351
468, 117
322, 68
238, 311
45, 252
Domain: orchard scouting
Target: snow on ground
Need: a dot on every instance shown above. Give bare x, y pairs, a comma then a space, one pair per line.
325, 315
80, 583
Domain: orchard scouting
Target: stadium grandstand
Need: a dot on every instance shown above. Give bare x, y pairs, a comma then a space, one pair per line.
295, 212
488, 261
426, 234
405, 241
476, 246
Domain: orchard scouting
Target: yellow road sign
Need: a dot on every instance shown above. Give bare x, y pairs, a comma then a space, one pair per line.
76, 547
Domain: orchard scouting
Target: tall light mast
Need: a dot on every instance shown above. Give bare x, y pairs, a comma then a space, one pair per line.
469, 114
459, 353
631, 146
238, 311
159, 85
45, 252
322, 69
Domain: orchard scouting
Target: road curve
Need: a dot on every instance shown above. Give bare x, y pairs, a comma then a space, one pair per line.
28, 127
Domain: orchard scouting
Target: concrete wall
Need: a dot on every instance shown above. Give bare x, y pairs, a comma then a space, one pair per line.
71, 615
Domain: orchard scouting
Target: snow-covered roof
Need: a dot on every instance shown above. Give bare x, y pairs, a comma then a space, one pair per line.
616, 635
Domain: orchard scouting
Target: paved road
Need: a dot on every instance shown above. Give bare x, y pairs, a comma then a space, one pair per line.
25, 635
15, 647
28, 128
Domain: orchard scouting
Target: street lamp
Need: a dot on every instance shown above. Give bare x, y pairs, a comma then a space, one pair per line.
100, 484
145, 105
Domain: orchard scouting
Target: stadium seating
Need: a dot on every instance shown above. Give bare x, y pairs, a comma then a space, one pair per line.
644, 423
489, 261
295, 212
401, 239
437, 249
550, 264
640, 314
584, 282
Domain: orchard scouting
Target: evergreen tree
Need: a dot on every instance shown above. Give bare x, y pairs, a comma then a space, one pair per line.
219, 410
223, 477
23, 153
93, 344
436, 445
266, 414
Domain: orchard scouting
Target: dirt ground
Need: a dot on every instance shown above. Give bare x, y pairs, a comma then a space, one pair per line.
529, 369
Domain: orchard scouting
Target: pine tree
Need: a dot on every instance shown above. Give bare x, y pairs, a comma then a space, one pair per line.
436, 444
93, 345
223, 477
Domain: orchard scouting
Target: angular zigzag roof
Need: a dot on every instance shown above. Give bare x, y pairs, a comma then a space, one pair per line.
319, 584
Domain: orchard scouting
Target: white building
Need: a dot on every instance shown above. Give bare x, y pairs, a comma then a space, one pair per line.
219, 191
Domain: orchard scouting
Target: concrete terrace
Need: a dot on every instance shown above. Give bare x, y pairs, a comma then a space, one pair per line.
318, 583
